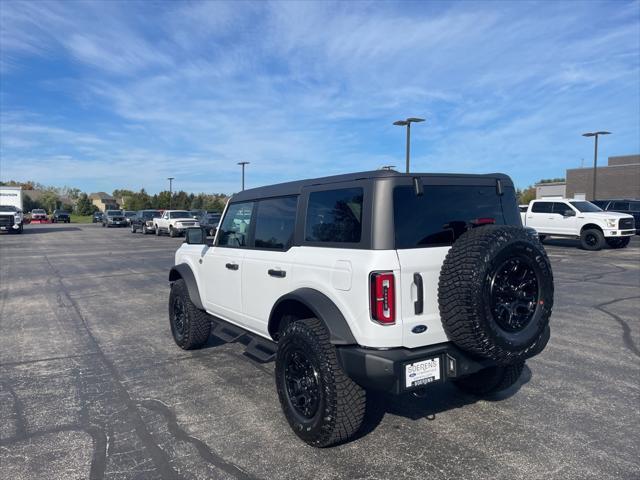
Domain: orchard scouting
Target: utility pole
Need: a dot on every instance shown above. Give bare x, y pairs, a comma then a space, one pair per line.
243, 164
407, 123
170, 189
595, 156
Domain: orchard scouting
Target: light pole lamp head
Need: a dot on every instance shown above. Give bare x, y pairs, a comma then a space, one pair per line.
401, 123
415, 120
244, 163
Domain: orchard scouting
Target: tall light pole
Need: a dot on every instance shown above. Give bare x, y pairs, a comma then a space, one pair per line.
595, 156
170, 189
408, 123
243, 164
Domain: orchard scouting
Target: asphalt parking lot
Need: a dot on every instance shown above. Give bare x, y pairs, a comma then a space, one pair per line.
93, 386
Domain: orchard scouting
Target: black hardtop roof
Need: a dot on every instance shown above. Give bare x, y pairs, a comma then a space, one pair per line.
294, 188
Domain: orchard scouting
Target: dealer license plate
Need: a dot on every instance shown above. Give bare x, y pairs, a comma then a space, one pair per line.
422, 372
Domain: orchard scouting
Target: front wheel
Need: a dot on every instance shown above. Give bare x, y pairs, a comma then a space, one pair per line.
190, 326
618, 242
144, 230
490, 380
157, 231
591, 239
321, 403
133, 228
172, 232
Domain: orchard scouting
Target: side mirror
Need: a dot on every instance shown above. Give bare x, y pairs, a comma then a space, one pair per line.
195, 236
569, 213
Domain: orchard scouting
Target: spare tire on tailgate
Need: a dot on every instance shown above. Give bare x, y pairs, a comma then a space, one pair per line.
496, 293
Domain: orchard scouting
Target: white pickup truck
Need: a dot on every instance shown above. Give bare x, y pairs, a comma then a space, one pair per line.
562, 217
11, 216
174, 222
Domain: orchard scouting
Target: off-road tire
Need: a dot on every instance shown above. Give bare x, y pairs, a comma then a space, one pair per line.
197, 325
592, 239
621, 242
490, 380
465, 295
342, 402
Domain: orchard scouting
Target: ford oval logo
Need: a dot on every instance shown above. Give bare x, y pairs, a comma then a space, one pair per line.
419, 329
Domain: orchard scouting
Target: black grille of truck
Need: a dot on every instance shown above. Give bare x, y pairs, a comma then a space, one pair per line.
625, 224
6, 220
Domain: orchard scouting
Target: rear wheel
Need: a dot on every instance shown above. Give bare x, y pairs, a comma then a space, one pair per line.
321, 403
618, 242
190, 326
490, 380
591, 239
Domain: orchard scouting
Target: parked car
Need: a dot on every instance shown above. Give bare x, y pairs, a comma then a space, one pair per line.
39, 215
143, 221
563, 217
11, 219
97, 217
374, 281
210, 222
630, 207
197, 213
174, 222
114, 218
128, 215
60, 216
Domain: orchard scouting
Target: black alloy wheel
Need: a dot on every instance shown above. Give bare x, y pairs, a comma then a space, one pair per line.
302, 383
179, 318
514, 293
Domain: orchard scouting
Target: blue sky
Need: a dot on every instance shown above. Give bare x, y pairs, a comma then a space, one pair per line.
104, 95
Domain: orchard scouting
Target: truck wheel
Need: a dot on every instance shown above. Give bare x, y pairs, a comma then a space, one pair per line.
618, 242
591, 239
190, 326
133, 228
490, 380
496, 293
22, 228
103, 225
144, 230
172, 232
321, 403
157, 231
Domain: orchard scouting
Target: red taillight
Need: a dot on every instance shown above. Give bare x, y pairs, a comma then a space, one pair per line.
383, 295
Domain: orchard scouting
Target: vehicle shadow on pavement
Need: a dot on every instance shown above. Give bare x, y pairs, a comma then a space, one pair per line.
437, 399
36, 230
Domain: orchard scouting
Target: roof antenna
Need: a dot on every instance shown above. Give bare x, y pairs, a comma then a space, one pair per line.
418, 187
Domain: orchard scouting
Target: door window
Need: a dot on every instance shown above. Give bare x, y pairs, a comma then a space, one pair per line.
542, 207
334, 216
620, 206
560, 208
234, 231
275, 222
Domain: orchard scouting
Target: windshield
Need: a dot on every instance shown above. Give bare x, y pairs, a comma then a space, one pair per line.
149, 215
180, 215
114, 212
38, 210
8, 208
586, 207
129, 214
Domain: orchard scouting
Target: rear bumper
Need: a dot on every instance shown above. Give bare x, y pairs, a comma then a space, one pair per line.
384, 370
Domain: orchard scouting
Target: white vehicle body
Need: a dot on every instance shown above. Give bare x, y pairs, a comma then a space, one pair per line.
174, 222
12, 218
569, 218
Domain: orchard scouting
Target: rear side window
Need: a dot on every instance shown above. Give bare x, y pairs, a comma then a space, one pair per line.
620, 206
443, 213
542, 207
234, 231
275, 222
634, 206
334, 216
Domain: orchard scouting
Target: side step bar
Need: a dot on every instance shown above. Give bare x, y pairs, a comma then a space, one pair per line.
261, 349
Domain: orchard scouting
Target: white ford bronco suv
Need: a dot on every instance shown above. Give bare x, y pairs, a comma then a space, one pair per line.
368, 282
563, 217
174, 222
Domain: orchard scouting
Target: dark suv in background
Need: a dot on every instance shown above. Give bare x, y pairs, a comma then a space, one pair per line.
114, 218
143, 221
631, 207
59, 216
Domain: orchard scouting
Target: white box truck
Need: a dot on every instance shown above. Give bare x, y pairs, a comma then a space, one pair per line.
11, 216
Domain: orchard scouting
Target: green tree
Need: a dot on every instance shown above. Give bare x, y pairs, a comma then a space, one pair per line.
29, 204
49, 201
526, 195
84, 205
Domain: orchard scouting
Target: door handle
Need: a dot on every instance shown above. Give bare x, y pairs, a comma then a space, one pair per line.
232, 266
418, 305
277, 273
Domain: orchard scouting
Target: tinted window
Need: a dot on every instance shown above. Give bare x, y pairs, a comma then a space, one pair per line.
620, 206
560, 207
634, 206
443, 213
334, 216
234, 231
275, 220
586, 206
180, 215
542, 207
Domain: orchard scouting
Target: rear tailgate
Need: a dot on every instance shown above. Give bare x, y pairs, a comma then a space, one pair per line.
425, 228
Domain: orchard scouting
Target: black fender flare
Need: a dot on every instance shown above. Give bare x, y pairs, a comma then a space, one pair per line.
323, 309
184, 271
